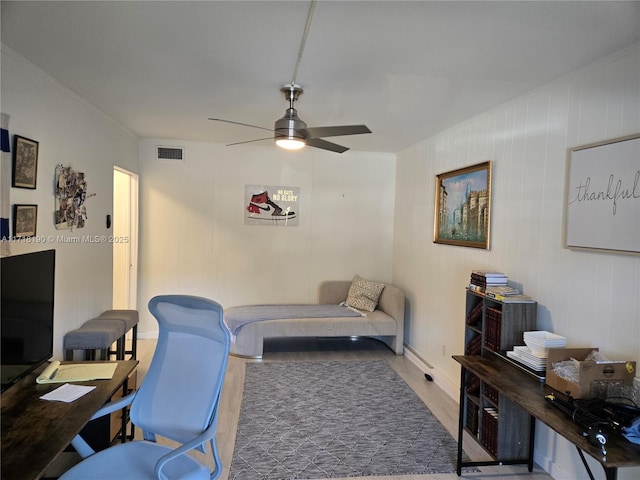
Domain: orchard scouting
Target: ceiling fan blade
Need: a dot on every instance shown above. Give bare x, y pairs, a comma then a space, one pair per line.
324, 145
316, 132
242, 124
249, 141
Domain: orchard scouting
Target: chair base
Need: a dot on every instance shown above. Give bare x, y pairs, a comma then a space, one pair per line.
135, 461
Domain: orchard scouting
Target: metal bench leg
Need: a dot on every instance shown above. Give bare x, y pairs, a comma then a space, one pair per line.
121, 347
134, 343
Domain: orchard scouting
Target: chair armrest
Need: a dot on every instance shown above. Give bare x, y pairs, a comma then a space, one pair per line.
80, 444
114, 406
196, 442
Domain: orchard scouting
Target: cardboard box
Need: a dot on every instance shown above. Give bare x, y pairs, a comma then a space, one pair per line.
592, 375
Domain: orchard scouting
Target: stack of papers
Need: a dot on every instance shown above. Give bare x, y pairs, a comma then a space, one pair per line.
77, 372
67, 393
502, 290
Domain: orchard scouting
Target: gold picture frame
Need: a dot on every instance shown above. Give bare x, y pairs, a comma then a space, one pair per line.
463, 207
25, 220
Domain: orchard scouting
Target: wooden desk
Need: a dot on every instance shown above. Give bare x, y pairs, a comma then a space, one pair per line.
35, 431
528, 393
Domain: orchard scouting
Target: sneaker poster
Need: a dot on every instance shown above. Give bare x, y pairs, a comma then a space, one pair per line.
271, 205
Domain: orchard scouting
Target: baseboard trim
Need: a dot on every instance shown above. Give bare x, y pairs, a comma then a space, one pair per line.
442, 381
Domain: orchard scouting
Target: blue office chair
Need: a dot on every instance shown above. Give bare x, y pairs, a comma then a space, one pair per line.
179, 399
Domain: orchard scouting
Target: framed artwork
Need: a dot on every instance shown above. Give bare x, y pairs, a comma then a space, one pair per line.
602, 196
271, 205
25, 162
463, 207
71, 193
25, 219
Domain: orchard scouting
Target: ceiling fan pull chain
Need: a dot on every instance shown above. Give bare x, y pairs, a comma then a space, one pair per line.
303, 41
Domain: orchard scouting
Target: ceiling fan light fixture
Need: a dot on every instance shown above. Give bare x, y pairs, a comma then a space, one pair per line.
290, 143
289, 131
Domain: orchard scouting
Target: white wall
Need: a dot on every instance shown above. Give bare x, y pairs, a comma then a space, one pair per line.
69, 131
592, 298
193, 238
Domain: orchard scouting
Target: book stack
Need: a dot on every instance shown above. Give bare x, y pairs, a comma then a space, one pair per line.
474, 347
492, 330
473, 385
496, 285
490, 429
481, 280
475, 315
508, 295
472, 418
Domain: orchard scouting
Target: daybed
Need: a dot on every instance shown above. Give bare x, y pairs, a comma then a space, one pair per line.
385, 323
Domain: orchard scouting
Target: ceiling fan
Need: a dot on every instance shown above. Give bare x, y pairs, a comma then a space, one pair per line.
291, 132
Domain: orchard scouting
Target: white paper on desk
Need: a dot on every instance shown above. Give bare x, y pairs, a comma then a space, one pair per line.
67, 393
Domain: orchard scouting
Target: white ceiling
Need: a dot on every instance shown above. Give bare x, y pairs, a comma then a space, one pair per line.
406, 69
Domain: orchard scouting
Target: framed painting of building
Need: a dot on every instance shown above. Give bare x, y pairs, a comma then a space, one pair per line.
463, 207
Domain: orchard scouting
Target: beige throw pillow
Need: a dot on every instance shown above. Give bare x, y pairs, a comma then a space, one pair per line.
364, 294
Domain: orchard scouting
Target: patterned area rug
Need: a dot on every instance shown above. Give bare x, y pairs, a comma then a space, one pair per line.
335, 419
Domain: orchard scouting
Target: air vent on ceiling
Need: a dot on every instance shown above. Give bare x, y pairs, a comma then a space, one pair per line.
170, 153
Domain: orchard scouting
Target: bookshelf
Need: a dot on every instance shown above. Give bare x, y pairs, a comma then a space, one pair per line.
493, 326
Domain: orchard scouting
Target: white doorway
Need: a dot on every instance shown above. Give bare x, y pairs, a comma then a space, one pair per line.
125, 236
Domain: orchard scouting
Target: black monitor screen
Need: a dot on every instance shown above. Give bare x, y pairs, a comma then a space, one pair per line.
27, 286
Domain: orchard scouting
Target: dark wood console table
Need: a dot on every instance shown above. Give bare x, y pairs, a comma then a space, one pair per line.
528, 393
35, 431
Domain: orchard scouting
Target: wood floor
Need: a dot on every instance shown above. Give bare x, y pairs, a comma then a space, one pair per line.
442, 406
